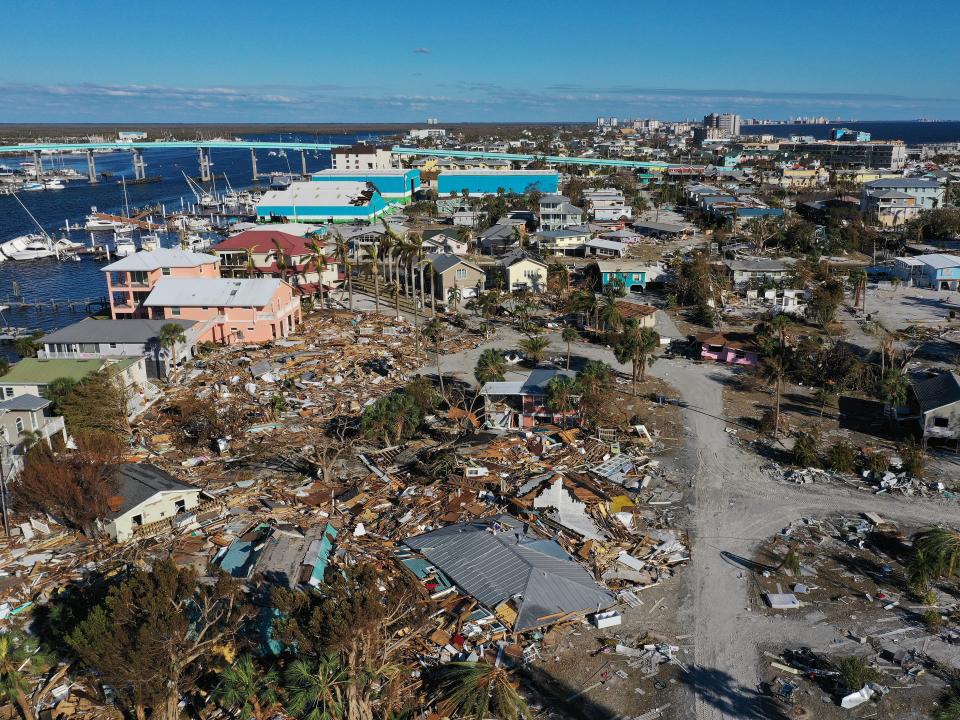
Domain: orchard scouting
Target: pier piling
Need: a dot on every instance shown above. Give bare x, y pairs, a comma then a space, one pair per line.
91, 168
253, 162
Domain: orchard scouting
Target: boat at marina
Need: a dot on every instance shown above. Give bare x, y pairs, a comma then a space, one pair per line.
95, 223
150, 242
123, 245
53, 185
32, 187
18, 244
35, 250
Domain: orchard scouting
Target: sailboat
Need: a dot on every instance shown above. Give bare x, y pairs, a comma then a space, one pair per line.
33, 247
36, 249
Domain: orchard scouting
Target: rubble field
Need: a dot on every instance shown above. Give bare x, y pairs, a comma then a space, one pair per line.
850, 598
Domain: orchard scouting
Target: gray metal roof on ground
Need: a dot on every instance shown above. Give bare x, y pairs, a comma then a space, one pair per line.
213, 292
499, 558
134, 330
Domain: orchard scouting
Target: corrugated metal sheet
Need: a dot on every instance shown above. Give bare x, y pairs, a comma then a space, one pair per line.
496, 558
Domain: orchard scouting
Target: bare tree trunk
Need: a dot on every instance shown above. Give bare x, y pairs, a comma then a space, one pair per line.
26, 709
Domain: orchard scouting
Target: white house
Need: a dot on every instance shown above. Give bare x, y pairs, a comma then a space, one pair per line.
523, 272
145, 495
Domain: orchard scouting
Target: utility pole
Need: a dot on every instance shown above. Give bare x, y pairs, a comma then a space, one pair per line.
4, 450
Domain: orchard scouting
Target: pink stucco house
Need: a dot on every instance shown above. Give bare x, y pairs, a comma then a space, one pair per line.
231, 310
131, 279
732, 348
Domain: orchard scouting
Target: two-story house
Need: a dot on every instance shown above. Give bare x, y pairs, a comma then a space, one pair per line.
131, 279
230, 310
556, 213
279, 255
927, 193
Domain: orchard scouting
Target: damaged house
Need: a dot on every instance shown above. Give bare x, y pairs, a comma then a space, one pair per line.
527, 580
146, 495
519, 404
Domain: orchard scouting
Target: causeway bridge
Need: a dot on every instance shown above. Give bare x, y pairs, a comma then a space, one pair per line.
203, 148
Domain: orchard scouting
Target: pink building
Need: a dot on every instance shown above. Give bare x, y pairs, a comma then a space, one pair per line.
231, 310
131, 279
733, 348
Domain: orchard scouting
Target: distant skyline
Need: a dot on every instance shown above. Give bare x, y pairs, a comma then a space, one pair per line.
286, 61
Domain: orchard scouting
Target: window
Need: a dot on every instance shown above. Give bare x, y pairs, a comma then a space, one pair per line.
19, 425
165, 271
113, 346
941, 422
175, 311
8, 392
461, 273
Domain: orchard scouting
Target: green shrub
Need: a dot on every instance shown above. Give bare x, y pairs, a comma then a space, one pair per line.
913, 459
857, 672
933, 620
877, 462
842, 456
805, 450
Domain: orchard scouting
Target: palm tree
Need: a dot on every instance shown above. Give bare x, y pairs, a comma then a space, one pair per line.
609, 313
316, 692
318, 259
454, 296
375, 269
774, 372
249, 263
936, 552
343, 256
170, 335
896, 386
520, 235
949, 708
535, 347
561, 391
243, 687
491, 367
28, 346
636, 345
57, 391
434, 332
13, 686
393, 290
416, 243
428, 263
779, 325
569, 335
388, 243
476, 691
859, 280
281, 260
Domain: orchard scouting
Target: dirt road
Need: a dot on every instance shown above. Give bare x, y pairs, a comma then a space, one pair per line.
736, 506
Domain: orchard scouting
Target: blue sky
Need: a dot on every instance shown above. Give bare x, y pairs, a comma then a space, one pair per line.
371, 61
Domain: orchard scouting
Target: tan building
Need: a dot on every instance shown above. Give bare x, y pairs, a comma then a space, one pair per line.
523, 272
452, 271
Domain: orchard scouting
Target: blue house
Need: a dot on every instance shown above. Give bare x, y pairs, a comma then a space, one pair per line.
395, 185
632, 274
489, 182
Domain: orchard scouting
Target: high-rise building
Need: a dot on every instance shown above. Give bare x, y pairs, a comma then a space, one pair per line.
601, 122
727, 123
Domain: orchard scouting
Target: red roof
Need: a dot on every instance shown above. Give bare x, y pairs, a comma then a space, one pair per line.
263, 241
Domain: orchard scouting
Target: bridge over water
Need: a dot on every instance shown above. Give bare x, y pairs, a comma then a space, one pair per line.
203, 148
